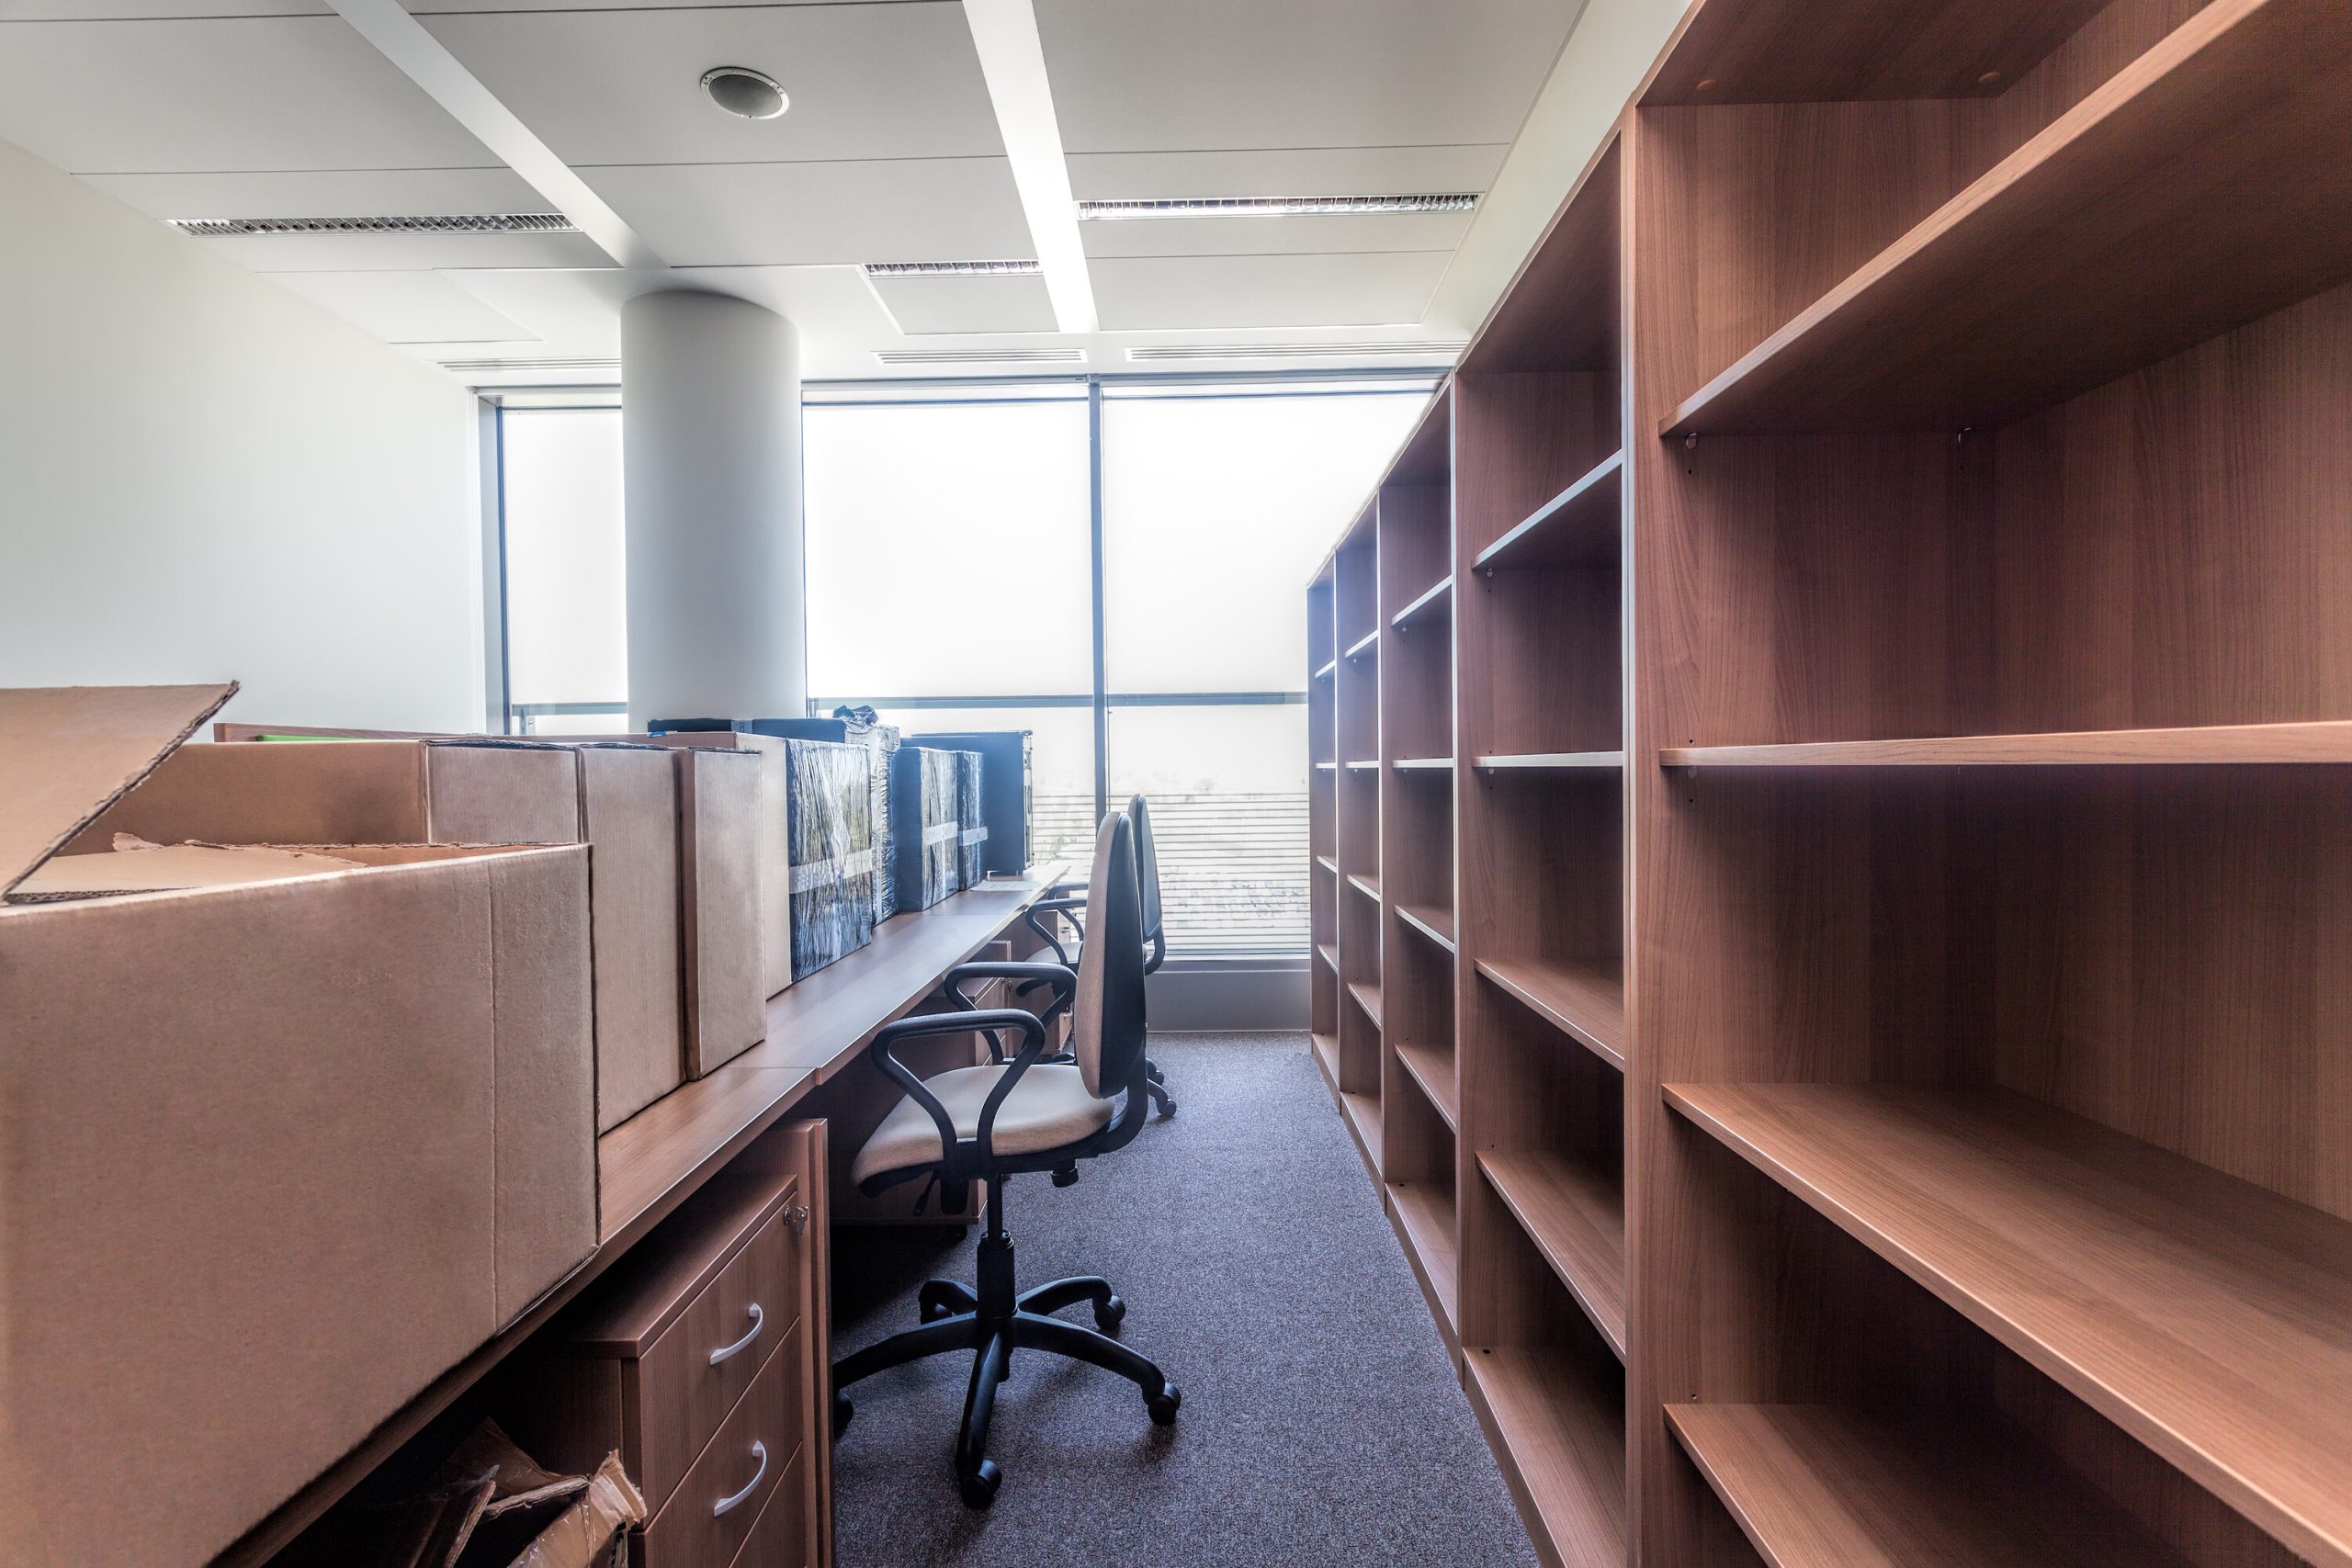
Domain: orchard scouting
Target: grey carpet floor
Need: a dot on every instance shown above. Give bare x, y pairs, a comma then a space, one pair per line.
1322, 1422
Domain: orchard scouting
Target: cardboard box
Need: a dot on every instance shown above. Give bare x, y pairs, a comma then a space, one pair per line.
773, 883
655, 917
721, 845
624, 804
279, 1149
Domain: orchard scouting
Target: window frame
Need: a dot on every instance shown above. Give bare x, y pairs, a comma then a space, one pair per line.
524, 719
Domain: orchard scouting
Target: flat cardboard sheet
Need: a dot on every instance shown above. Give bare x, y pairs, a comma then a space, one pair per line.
139, 867
66, 752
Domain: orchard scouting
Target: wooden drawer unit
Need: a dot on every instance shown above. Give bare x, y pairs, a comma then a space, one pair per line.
700, 1357
709, 1516
780, 1538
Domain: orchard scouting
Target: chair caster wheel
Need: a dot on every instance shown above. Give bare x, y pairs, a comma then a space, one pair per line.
1109, 1312
842, 1411
1163, 1405
979, 1487
1167, 1111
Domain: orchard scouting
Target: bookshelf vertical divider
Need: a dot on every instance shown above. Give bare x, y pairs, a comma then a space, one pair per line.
1833, 955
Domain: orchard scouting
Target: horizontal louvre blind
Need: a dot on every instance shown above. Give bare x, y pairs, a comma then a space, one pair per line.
1232, 868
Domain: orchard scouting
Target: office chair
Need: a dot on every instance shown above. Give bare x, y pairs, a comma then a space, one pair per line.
992, 1122
1057, 900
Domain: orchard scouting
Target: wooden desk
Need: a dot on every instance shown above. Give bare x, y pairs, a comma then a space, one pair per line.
654, 1161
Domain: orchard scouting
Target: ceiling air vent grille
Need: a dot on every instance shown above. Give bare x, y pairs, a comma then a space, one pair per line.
464, 223
980, 355
500, 366
1277, 205
1165, 352
952, 269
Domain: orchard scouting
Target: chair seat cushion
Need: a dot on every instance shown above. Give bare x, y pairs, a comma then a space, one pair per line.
1048, 1107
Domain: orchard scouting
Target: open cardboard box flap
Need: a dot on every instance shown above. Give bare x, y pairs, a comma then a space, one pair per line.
68, 753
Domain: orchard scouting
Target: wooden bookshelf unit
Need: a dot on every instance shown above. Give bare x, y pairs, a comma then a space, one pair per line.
1834, 954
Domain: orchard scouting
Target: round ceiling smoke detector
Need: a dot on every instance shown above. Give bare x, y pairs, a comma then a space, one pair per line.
740, 90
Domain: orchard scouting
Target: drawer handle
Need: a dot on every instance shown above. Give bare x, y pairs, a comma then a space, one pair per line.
728, 1504
728, 1352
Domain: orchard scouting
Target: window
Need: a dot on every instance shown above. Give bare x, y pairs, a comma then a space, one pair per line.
950, 551
567, 610
1217, 503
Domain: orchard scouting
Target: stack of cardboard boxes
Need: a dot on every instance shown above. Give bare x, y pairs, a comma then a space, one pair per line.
304, 1051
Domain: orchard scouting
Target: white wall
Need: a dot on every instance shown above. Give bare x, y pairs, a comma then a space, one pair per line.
203, 477
1612, 48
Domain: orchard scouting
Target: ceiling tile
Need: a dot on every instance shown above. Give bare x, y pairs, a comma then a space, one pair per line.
865, 82
1001, 303
570, 313
338, 193
1146, 76
798, 214
403, 307
124, 10
1147, 293
1284, 170
459, 8
228, 93
1332, 234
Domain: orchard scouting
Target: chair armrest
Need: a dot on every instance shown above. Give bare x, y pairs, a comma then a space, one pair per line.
924, 1025
1068, 907
1057, 976
1067, 889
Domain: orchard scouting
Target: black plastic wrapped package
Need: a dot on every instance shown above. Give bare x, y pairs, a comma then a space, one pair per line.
833, 857
971, 814
926, 832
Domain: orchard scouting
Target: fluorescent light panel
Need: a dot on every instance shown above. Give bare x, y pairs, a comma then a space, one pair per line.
1012, 61
1277, 205
464, 223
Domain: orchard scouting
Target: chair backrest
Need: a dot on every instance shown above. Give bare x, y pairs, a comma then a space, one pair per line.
1147, 882
1106, 1018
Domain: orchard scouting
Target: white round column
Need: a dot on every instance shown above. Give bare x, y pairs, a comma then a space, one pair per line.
711, 442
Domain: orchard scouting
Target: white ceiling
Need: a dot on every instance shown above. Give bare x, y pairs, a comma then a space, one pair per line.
892, 152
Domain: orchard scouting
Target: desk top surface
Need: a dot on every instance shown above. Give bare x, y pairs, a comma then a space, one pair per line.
816, 1027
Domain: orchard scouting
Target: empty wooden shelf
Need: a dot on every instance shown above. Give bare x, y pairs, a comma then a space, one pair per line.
1367, 997
1586, 1000
1362, 1114
2191, 1309
2177, 201
1560, 1438
1422, 764
1364, 647
2325, 741
1575, 1217
1431, 606
1816, 1485
1424, 1217
1432, 923
1550, 761
1328, 954
1367, 885
1431, 1067
1576, 527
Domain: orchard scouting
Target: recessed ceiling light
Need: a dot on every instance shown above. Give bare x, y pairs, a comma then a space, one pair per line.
1277, 205
740, 90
